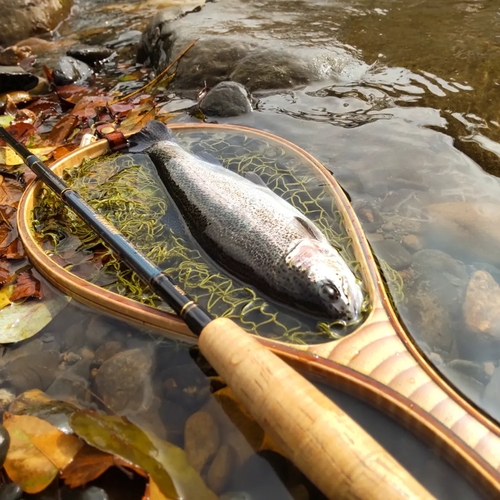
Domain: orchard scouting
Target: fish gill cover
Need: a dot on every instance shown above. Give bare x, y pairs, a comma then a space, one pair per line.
127, 190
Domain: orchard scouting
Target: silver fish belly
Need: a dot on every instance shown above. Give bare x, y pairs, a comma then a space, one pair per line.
257, 236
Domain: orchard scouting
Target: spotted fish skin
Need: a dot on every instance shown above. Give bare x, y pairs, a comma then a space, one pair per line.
252, 232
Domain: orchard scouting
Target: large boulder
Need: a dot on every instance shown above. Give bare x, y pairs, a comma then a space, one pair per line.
23, 18
234, 41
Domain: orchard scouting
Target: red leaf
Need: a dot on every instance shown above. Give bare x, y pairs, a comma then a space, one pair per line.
26, 286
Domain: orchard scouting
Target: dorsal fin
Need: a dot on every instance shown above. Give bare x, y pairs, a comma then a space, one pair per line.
153, 132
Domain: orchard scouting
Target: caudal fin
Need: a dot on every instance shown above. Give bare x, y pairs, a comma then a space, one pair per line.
153, 132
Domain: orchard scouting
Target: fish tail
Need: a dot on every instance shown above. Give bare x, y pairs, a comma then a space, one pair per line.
153, 132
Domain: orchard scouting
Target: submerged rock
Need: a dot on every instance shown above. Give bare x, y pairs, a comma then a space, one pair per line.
124, 381
70, 70
201, 439
466, 229
235, 42
15, 78
23, 18
434, 297
226, 99
10, 491
393, 253
481, 308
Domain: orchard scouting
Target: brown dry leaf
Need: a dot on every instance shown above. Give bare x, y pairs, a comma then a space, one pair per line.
10, 106
86, 107
62, 130
37, 451
10, 193
27, 286
87, 465
15, 250
139, 116
5, 272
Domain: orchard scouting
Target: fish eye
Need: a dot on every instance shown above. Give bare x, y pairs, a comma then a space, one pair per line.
330, 291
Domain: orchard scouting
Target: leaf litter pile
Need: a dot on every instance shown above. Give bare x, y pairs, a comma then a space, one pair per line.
51, 126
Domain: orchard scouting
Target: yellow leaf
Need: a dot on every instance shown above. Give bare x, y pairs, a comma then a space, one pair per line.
37, 451
155, 493
10, 158
5, 294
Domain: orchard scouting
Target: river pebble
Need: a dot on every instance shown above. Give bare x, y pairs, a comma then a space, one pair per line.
220, 469
201, 439
124, 381
481, 308
70, 70
10, 491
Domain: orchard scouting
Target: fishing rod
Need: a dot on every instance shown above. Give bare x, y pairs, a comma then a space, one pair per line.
334, 452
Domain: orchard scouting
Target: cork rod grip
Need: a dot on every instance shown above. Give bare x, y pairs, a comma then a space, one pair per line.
334, 452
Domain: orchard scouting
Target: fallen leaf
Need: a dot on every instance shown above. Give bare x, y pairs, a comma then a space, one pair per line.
22, 321
62, 130
36, 403
26, 286
5, 272
5, 294
10, 106
86, 107
10, 193
87, 465
154, 492
6, 120
15, 250
164, 462
37, 452
139, 116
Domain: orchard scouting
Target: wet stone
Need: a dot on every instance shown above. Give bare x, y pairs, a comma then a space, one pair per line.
237, 495
124, 381
98, 331
481, 308
21, 18
4, 444
220, 469
201, 439
90, 54
107, 350
33, 371
393, 253
6, 398
226, 99
15, 78
90, 493
10, 491
412, 243
70, 70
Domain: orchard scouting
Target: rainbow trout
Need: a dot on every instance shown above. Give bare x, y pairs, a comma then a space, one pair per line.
251, 232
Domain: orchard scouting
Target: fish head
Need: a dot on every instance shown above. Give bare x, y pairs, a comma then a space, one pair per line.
330, 282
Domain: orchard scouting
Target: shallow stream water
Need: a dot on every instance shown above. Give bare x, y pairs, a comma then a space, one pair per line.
414, 127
